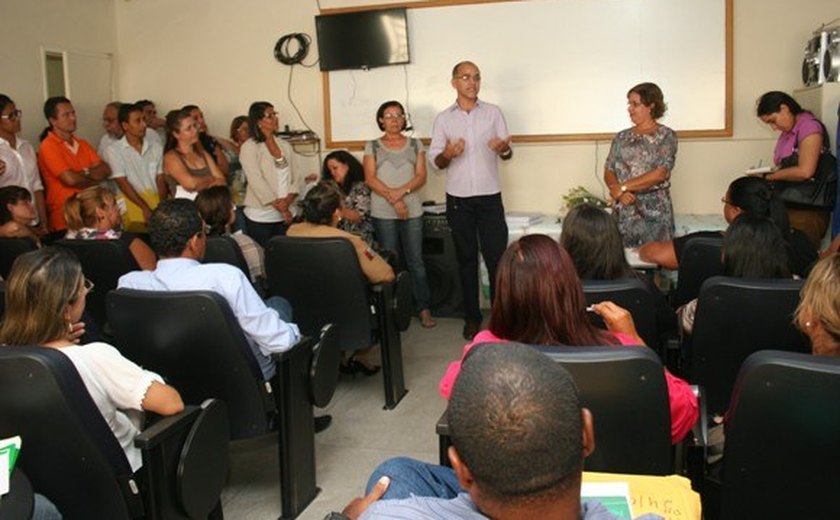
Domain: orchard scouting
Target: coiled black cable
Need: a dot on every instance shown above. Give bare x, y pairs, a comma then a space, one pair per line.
281, 49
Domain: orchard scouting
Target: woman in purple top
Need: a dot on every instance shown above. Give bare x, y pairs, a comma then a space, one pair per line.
638, 170
803, 133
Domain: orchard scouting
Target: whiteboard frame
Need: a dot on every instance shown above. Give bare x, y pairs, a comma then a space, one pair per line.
726, 131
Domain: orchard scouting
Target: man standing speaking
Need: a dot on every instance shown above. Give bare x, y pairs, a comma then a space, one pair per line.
466, 139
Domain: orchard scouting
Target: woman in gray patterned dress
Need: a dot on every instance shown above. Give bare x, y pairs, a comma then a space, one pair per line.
346, 171
638, 169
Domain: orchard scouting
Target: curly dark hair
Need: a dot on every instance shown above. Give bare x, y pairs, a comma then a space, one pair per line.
355, 171
174, 222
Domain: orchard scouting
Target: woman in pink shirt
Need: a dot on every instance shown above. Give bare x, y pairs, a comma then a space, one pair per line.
539, 301
804, 134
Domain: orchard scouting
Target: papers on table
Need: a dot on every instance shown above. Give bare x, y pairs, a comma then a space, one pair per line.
517, 219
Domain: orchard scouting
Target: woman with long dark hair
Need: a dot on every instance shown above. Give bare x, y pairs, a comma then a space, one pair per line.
270, 168
540, 301
591, 237
803, 134
750, 196
753, 247
347, 173
184, 160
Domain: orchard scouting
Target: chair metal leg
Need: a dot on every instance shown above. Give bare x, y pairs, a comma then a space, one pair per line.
296, 435
391, 346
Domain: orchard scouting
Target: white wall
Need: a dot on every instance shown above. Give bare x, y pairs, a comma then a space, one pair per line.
85, 26
218, 54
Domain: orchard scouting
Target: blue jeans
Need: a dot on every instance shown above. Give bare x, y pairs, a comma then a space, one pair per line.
413, 477
405, 237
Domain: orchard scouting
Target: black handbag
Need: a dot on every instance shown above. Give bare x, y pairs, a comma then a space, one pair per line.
818, 192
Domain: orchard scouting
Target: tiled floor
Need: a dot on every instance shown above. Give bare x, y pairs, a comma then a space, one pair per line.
361, 436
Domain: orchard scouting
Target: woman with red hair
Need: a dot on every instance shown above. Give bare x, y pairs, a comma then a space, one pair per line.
539, 301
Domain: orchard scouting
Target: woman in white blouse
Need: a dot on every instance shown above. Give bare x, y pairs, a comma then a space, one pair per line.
270, 168
45, 298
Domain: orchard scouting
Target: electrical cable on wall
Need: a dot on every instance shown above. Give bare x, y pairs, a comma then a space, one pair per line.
282, 51
410, 127
284, 55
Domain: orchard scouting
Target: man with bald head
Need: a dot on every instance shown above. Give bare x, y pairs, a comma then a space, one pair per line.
467, 139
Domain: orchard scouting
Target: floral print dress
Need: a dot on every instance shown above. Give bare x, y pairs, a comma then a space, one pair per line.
359, 200
632, 155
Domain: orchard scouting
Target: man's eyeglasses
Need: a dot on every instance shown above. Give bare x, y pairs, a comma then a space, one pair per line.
726, 201
13, 115
393, 116
466, 77
88, 285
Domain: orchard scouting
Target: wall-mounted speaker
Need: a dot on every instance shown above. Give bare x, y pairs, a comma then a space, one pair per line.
442, 268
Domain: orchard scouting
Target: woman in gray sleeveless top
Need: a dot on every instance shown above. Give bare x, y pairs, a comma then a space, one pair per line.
395, 168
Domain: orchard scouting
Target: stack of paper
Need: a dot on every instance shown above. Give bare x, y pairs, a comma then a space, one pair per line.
520, 219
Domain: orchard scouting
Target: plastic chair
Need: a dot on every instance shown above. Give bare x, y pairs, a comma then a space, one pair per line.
782, 431
71, 456
193, 339
103, 263
323, 281
224, 250
11, 248
633, 295
625, 390
736, 317
701, 259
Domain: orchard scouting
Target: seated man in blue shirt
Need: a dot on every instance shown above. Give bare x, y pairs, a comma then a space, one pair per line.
519, 437
178, 238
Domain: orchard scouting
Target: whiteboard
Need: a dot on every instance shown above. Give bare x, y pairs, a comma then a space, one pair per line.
559, 69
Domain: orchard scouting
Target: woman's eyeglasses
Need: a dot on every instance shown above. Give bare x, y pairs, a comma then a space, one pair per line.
13, 115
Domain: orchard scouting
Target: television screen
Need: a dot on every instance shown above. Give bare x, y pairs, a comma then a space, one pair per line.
363, 39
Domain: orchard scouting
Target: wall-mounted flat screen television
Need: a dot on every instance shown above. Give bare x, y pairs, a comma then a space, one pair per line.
363, 39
